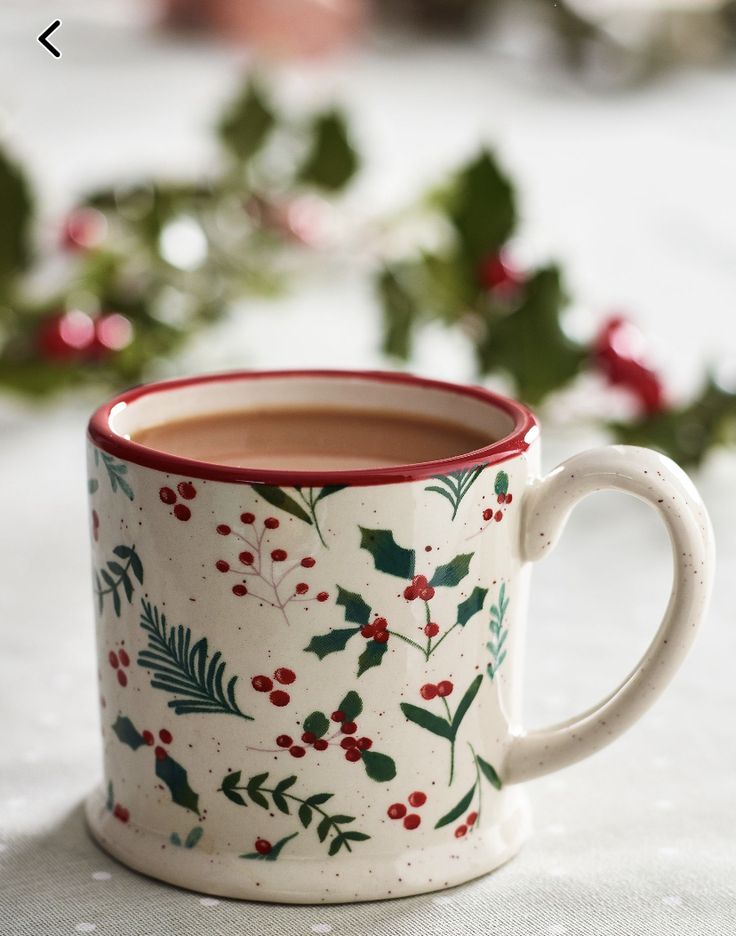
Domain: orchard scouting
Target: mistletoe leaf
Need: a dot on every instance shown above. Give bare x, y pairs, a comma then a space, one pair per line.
482, 208
332, 642
371, 656
379, 767
15, 232
248, 122
175, 777
277, 497
489, 772
127, 732
472, 605
428, 720
467, 700
351, 705
356, 610
331, 161
388, 556
458, 809
453, 572
317, 723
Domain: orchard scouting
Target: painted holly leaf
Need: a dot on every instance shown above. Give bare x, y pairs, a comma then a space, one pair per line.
428, 720
467, 700
489, 772
275, 850
482, 208
400, 311
127, 732
277, 497
331, 642
379, 767
331, 161
351, 706
317, 723
356, 610
452, 572
248, 122
501, 484
471, 605
228, 787
388, 556
458, 809
371, 656
175, 777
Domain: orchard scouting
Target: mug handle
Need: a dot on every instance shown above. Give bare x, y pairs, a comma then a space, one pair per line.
658, 481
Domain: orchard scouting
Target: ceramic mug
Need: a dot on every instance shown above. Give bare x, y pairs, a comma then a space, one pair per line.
310, 681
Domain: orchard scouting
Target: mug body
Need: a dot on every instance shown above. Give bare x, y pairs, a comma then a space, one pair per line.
308, 680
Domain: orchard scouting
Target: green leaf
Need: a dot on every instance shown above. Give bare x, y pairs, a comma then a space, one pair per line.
174, 839
92, 485
388, 556
458, 809
379, 767
258, 798
323, 828
341, 820
231, 780
257, 781
248, 122
194, 836
277, 497
317, 723
489, 772
482, 208
356, 610
234, 797
428, 720
280, 803
371, 656
110, 801
331, 642
15, 231
501, 484
318, 799
285, 784
275, 850
335, 845
472, 605
127, 732
400, 312
355, 836
305, 815
467, 700
331, 161
452, 572
351, 705
328, 490
175, 777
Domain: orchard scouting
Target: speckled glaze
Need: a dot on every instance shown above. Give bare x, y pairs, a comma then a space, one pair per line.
374, 623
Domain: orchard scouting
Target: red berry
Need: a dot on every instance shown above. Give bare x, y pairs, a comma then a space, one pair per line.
431, 629
122, 678
297, 751
284, 740
165, 736
322, 596
501, 498
113, 658
247, 517
124, 658
302, 588
308, 562
417, 799
472, 818
262, 683
488, 514
498, 276
349, 727
396, 811
348, 743
320, 745
271, 523
364, 743
278, 555
121, 813
622, 359
412, 821
113, 332
160, 753
428, 691
280, 698
382, 637
67, 336
222, 566
444, 688
426, 594
509, 498
263, 847
148, 737
460, 831
167, 495
84, 228
182, 512
410, 593
338, 716
498, 516
284, 676
419, 582
246, 557
240, 590
367, 631
187, 490
223, 529
309, 737
380, 624
353, 754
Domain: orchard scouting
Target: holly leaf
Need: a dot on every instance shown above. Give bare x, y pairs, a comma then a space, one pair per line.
467, 700
356, 610
501, 484
175, 777
489, 773
472, 605
452, 572
371, 656
400, 312
388, 556
482, 208
127, 732
277, 497
15, 231
379, 767
351, 705
248, 122
458, 809
428, 720
331, 161
317, 723
331, 642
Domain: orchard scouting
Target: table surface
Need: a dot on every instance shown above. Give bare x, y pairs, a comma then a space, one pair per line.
635, 193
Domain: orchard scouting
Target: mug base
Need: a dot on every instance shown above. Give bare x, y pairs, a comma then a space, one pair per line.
320, 881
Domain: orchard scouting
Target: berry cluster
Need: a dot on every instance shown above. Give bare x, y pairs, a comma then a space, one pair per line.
470, 821
489, 514
377, 630
419, 588
277, 697
187, 491
165, 736
399, 810
120, 661
75, 336
351, 745
432, 690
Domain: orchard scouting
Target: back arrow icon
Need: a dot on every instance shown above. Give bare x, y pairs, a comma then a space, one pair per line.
44, 37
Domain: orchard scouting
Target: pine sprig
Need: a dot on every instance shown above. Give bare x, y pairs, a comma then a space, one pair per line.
116, 471
456, 485
186, 670
496, 646
114, 578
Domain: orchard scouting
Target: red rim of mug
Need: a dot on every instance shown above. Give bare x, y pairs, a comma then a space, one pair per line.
514, 443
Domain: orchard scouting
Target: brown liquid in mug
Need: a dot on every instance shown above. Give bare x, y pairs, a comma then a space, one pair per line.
312, 439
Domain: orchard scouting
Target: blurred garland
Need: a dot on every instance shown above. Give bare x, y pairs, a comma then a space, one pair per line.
142, 269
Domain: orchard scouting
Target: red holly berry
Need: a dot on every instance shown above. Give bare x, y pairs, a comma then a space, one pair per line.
271, 523
498, 516
509, 498
348, 743
284, 676
297, 751
338, 716
187, 490
501, 498
410, 593
263, 847
472, 818
165, 736
240, 590
618, 351
428, 691
367, 631
444, 688
223, 529
278, 555
121, 813
308, 562
419, 582
247, 517
488, 514
122, 678
320, 745
431, 629
364, 743
460, 831
113, 658
148, 737
309, 737
222, 566
246, 558
382, 637
182, 512
124, 658
113, 332
302, 588
84, 228
498, 276
262, 683
322, 596
380, 624
426, 594
160, 753
284, 740
412, 821
66, 337
417, 799
167, 495
348, 727
279, 698
396, 811
353, 754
